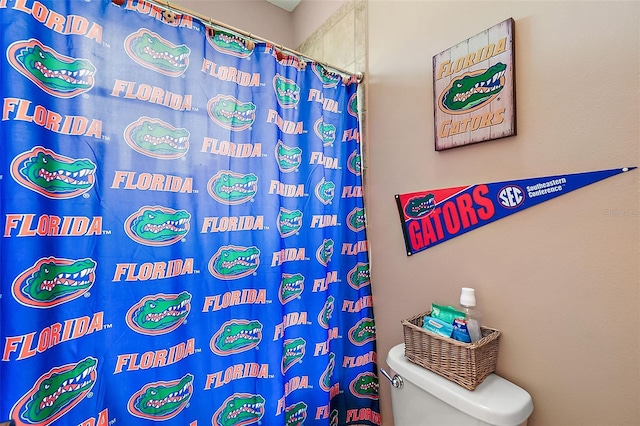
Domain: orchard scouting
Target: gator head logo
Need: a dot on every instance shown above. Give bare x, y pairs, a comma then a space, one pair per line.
354, 163
295, 414
325, 191
289, 222
236, 336
229, 44
327, 78
231, 114
233, 262
293, 352
352, 106
325, 378
161, 400
364, 331
157, 226
287, 91
359, 276
155, 53
325, 251
53, 175
232, 188
473, 90
52, 281
159, 313
327, 312
289, 158
156, 139
365, 385
325, 131
58, 75
239, 409
55, 393
291, 286
356, 220
419, 206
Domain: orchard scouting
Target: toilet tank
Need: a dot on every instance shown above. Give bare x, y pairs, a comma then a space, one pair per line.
429, 399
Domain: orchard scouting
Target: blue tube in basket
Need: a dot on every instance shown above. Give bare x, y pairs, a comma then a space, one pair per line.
460, 331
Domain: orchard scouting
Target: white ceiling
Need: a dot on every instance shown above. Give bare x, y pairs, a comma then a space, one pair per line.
287, 5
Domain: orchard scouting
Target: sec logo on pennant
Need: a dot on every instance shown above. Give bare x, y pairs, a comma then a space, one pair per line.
511, 196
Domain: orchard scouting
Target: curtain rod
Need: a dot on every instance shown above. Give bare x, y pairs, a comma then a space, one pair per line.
212, 22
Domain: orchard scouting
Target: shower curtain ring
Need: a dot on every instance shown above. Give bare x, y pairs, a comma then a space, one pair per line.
249, 42
168, 14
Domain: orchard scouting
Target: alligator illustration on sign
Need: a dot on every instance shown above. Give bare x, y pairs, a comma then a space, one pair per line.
325, 131
159, 313
327, 78
289, 222
287, 91
157, 54
354, 163
157, 226
232, 188
156, 139
55, 393
229, 44
231, 114
365, 385
289, 158
295, 414
325, 191
53, 175
473, 90
56, 74
162, 400
236, 336
419, 206
356, 220
364, 331
359, 276
240, 409
325, 251
291, 287
326, 312
52, 281
325, 378
233, 262
293, 351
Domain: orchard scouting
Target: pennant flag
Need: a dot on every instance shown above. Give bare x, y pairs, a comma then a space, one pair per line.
435, 216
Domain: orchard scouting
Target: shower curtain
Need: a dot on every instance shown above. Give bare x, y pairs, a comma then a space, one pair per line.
183, 231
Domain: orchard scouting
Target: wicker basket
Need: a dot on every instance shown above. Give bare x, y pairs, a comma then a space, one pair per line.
466, 364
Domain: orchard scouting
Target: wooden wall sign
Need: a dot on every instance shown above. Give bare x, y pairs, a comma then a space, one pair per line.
474, 89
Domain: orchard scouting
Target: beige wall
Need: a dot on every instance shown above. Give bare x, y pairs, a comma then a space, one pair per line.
561, 279
256, 17
340, 40
310, 15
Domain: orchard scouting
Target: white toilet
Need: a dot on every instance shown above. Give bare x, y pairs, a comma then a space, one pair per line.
426, 398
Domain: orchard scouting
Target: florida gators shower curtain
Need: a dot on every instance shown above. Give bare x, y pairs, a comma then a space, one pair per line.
183, 235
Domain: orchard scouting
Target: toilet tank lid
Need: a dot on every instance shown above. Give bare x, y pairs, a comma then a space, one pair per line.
495, 401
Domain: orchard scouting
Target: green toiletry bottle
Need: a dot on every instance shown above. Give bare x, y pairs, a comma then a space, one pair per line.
468, 304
